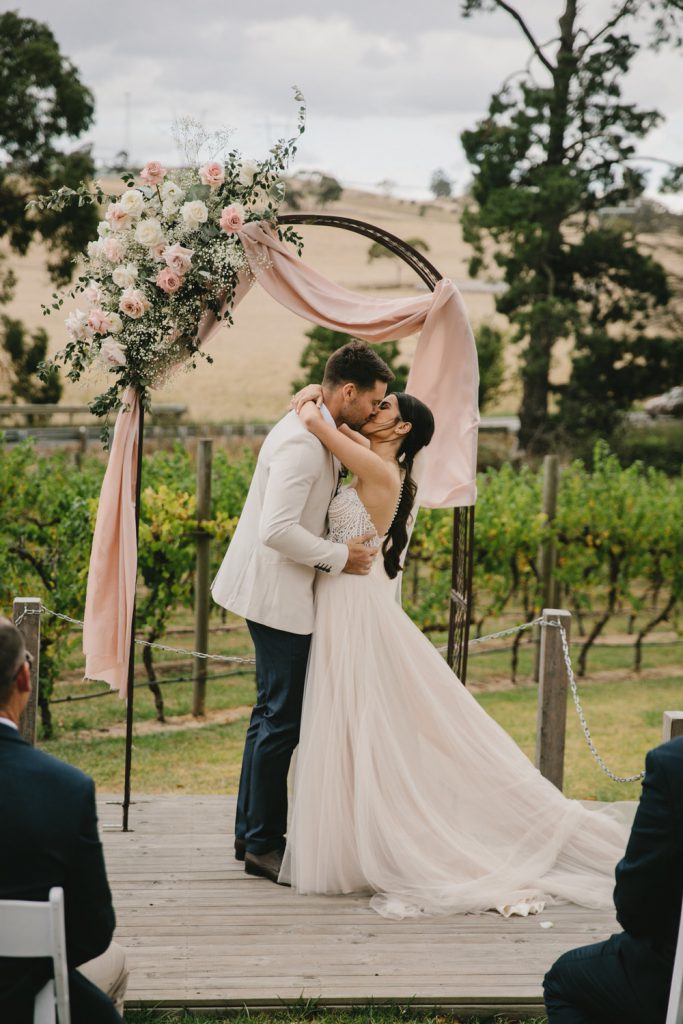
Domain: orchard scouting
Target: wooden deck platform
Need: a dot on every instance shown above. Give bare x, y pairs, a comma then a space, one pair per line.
201, 934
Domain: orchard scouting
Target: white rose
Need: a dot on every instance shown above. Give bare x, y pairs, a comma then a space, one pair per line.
125, 275
112, 353
77, 325
132, 202
247, 172
93, 293
103, 228
149, 233
169, 190
169, 208
194, 213
115, 323
94, 249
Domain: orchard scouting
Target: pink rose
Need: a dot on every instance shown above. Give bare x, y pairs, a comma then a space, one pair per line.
168, 280
153, 173
99, 321
212, 174
133, 303
114, 249
118, 219
178, 258
157, 252
232, 218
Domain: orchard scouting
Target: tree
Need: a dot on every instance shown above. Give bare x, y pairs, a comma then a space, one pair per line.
328, 190
378, 251
557, 145
441, 185
323, 342
42, 103
24, 358
490, 347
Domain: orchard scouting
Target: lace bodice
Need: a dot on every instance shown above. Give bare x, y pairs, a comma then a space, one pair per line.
348, 517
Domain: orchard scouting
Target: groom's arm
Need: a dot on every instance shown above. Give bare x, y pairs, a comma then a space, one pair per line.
294, 469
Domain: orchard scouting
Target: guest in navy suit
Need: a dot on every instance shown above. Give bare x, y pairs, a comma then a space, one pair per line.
626, 979
50, 838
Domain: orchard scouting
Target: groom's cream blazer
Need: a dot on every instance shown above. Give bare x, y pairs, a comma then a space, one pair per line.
267, 574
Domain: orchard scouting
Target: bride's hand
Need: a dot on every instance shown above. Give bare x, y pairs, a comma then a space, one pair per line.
309, 393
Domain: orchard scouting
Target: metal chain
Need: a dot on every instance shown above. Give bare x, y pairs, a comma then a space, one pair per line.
146, 643
501, 632
579, 710
540, 621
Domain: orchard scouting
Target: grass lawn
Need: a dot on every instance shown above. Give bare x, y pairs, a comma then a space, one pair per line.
624, 714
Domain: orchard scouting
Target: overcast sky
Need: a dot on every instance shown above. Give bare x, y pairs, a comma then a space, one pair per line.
389, 84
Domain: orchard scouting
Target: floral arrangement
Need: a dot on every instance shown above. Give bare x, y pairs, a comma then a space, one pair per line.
166, 255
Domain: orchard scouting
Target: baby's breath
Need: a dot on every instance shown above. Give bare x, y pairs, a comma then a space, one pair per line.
145, 327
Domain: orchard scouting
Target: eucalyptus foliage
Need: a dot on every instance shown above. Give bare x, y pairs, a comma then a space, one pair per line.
557, 147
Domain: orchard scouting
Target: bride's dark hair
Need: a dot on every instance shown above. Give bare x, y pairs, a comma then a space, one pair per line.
415, 412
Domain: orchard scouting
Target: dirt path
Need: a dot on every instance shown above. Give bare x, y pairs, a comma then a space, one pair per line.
173, 723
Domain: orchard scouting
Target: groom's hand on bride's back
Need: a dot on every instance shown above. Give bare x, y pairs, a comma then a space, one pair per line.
360, 557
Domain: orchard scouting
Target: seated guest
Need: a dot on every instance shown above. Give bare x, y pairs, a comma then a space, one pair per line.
626, 979
50, 838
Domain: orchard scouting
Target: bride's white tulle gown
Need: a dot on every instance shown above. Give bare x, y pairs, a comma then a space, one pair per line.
406, 788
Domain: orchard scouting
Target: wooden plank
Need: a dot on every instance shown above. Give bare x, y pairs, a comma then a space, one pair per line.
200, 933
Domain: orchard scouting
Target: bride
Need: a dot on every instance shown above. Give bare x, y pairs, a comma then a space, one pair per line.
404, 786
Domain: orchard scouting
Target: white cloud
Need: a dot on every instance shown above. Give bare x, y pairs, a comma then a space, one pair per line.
389, 84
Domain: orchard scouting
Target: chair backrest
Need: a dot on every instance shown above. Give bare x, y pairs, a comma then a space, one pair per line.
675, 1012
31, 929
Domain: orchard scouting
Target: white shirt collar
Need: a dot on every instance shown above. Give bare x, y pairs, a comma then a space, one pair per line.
327, 416
8, 721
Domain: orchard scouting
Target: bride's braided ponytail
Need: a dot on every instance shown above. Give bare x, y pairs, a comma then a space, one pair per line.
416, 413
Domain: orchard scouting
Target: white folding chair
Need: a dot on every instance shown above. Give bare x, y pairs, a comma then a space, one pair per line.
30, 929
674, 1014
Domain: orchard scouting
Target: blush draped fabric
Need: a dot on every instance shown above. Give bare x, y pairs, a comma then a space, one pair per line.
444, 374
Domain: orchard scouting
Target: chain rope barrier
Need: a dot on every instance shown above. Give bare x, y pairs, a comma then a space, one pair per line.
579, 710
510, 631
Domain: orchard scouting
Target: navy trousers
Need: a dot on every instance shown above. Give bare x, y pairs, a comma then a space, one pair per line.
619, 981
273, 733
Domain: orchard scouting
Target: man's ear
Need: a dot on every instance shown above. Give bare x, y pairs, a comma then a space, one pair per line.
349, 390
23, 679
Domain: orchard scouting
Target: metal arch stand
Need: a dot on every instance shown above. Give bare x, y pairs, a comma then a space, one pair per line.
460, 598
130, 692
462, 559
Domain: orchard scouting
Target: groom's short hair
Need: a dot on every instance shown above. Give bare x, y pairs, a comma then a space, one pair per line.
356, 363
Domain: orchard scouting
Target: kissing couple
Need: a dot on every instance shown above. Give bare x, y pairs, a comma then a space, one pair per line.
404, 787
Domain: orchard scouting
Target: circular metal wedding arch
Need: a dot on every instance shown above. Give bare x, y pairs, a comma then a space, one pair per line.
460, 597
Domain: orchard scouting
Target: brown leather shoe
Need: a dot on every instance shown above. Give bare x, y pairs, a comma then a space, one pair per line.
240, 849
266, 865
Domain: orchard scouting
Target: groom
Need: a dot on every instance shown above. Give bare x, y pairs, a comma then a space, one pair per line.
267, 576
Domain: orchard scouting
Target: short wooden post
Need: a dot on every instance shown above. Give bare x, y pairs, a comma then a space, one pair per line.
26, 616
552, 699
201, 596
672, 725
546, 550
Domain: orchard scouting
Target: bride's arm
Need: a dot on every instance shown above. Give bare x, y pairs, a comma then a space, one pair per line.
354, 436
361, 461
